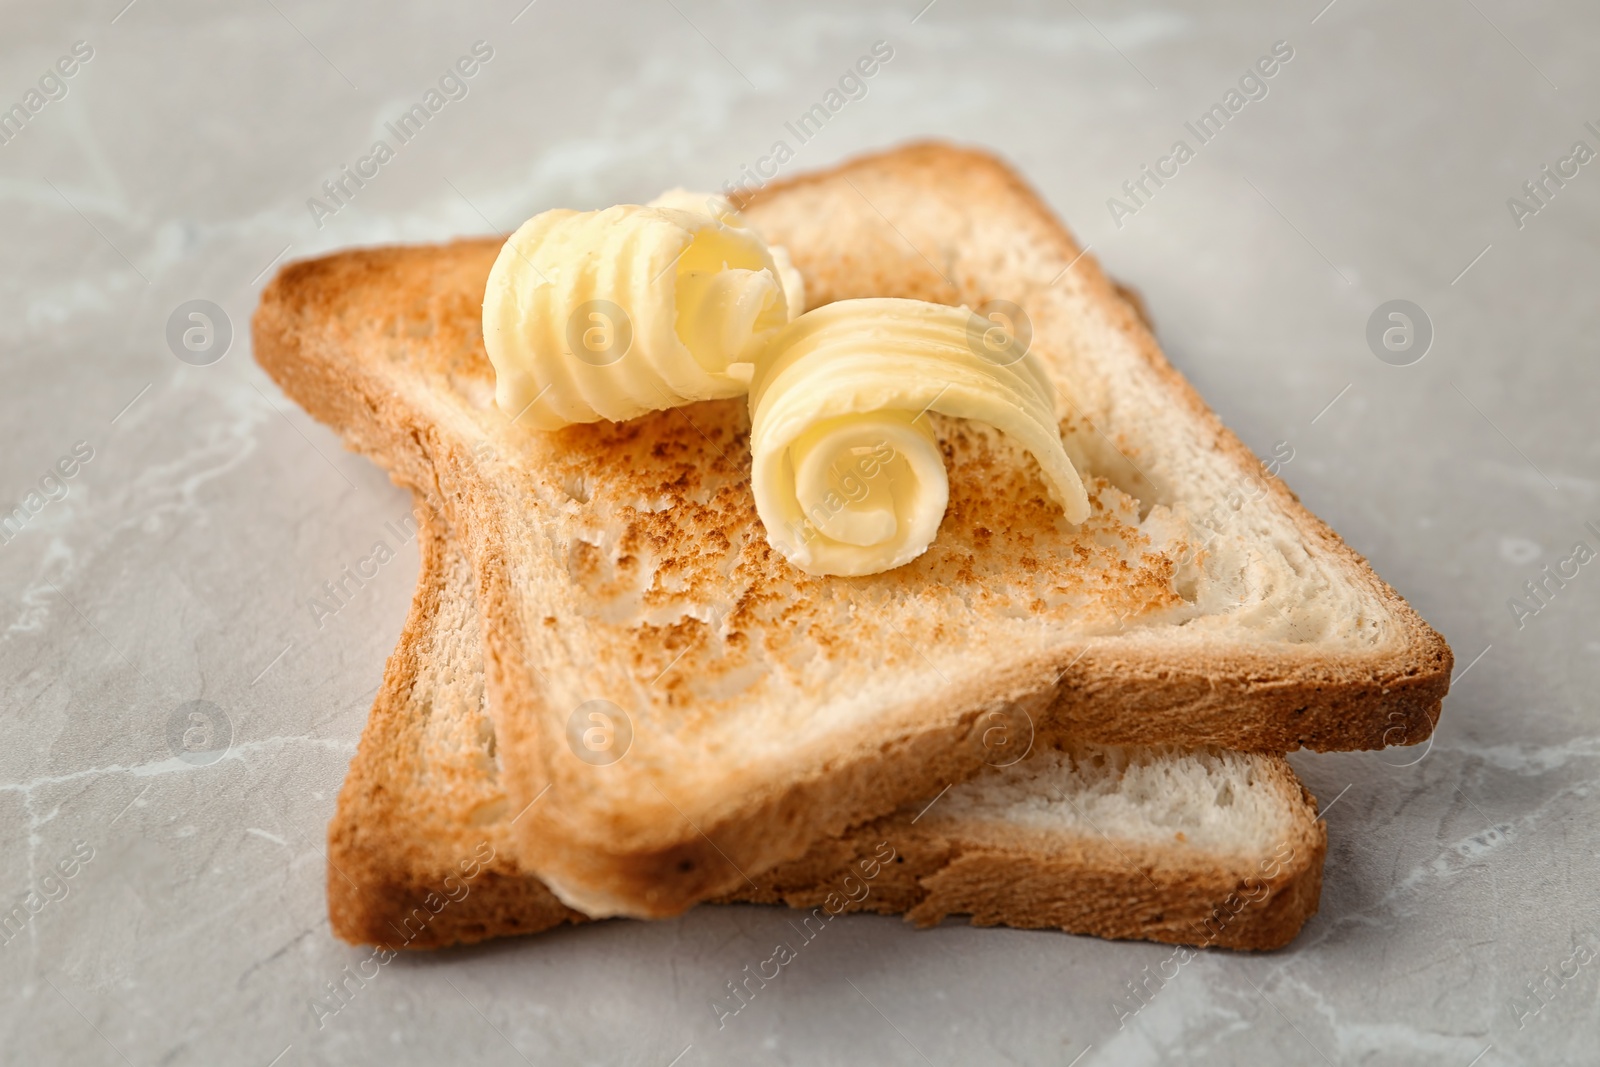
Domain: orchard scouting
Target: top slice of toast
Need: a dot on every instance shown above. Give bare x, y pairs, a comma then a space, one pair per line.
623, 571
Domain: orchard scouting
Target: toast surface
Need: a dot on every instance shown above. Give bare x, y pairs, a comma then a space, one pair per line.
1117, 843
769, 709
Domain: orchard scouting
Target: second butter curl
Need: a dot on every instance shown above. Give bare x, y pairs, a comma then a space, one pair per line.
847, 474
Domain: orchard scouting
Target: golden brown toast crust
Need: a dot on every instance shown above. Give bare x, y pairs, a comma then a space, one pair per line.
1387, 699
419, 851
344, 334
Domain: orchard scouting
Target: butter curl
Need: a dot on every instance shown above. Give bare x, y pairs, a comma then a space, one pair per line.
611, 314
847, 475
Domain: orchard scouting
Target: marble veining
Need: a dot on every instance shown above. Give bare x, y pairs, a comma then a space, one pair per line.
178, 719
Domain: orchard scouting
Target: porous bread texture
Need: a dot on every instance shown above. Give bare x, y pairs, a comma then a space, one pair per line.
1203, 847
771, 709
422, 817
1156, 844
1208, 799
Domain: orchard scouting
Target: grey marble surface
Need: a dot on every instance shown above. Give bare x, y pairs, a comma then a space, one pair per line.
175, 564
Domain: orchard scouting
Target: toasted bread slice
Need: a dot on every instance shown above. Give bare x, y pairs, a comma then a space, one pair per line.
1200, 604
1200, 848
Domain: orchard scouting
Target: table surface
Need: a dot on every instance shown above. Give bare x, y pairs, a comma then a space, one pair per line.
176, 163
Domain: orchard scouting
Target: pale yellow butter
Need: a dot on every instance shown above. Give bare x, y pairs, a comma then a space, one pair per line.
847, 475
610, 314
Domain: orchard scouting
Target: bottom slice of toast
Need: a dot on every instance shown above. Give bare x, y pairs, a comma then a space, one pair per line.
1196, 847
